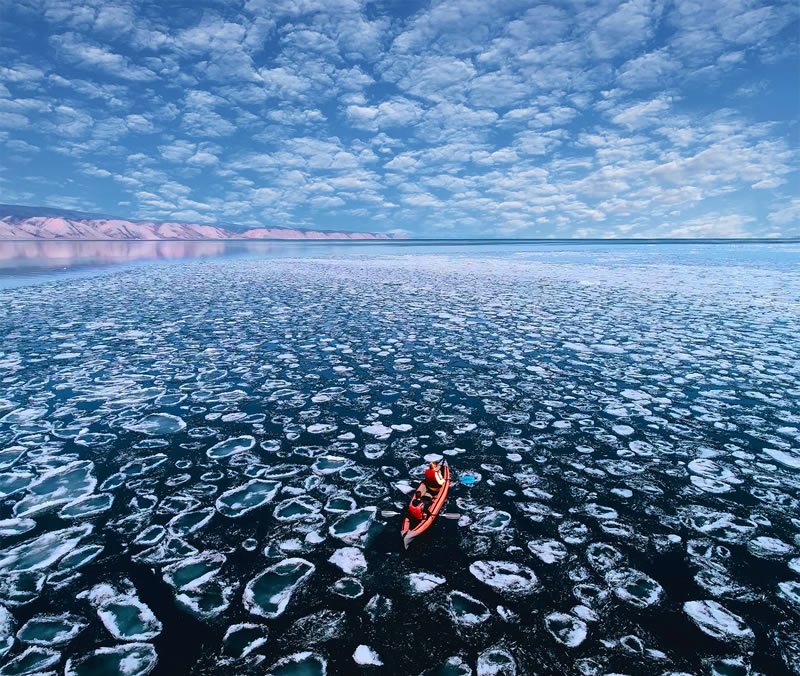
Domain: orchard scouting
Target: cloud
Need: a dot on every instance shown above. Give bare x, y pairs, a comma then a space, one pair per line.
506, 117
438, 78
87, 55
206, 123
641, 114
22, 72
630, 25
139, 124
326, 202
13, 120
20, 146
711, 226
648, 70
398, 112
177, 151
787, 215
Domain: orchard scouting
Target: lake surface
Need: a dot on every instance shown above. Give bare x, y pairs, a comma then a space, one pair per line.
31, 262
197, 441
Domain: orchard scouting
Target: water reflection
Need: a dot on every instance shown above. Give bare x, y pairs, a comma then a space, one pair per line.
31, 262
27, 262
59, 254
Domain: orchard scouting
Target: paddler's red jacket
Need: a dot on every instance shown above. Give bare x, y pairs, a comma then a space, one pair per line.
433, 480
415, 510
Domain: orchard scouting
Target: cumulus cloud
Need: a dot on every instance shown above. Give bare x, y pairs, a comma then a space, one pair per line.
509, 117
87, 55
641, 114
787, 215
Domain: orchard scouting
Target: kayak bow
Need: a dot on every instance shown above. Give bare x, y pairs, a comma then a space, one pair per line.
410, 533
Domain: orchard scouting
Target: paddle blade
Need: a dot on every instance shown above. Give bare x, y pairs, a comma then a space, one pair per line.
388, 513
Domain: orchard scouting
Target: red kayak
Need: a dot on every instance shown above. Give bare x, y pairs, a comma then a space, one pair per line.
410, 533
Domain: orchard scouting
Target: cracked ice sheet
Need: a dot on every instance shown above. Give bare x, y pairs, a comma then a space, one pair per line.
614, 415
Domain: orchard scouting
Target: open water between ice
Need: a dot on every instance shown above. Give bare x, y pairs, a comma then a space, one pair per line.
194, 457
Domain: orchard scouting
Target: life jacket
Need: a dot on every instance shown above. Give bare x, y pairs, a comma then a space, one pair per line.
431, 482
415, 511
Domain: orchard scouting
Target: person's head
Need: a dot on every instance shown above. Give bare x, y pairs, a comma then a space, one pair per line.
434, 465
417, 495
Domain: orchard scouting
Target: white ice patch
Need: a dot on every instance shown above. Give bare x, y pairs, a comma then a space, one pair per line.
492, 521
304, 663
43, 551
20, 416
634, 587
352, 527
7, 625
243, 499
377, 430
87, 507
321, 428
549, 551
424, 582
365, 655
466, 610
240, 640
715, 620
496, 661
232, 446
269, 592
785, 458
10, 527
57, 487
132, 659
193, 572
350, 559
123, 614
33, 661
296, 509
157, 424
765, 547
50, 630
505, 576
790, 590
566, 629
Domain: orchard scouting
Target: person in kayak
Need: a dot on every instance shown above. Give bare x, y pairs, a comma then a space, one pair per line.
419, 507
433, 479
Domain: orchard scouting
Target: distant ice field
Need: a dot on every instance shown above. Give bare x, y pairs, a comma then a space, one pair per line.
194, 458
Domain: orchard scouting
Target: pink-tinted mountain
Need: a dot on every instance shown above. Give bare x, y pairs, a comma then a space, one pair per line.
26, 223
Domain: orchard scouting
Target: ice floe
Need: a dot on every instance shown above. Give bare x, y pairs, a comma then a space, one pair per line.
130, 659
50, 630
505, 576
270, 591
123, 614
239, 501
350, 559
43, 551
352, 527
715, 620
634, 587
496, 661
304, 663
567, 629
364, 655
466, 610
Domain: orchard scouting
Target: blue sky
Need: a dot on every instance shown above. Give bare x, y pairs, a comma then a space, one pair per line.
454, 118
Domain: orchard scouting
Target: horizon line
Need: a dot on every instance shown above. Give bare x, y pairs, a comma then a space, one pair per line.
396, 240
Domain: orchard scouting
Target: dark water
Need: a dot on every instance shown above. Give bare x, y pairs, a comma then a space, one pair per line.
631, 416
